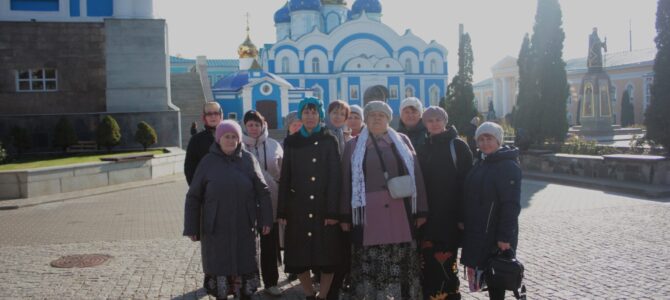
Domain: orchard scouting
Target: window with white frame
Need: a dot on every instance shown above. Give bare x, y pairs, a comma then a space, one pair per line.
647, 91
232, 116
36, 80
433, 66
408, 65
409, 91
434, 96
316, 67
284, 65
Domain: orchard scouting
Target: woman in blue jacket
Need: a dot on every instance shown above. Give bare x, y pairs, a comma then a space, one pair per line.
492, 204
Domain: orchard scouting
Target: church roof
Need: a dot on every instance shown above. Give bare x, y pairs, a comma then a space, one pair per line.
236, 81
369, 6
210, 62
283, 15
616, 59
296, 5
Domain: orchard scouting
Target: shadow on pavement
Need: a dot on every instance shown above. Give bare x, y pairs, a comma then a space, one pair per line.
530, 188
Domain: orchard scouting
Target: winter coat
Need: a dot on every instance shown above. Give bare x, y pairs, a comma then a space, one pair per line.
221, 208
444, 180
417, 134
269, 154
492, 205
309, 192
198, 147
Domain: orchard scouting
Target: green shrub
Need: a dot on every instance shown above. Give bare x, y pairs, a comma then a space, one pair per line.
64, 134
20, 139
145, 135
108, 133
578, 145
3, 153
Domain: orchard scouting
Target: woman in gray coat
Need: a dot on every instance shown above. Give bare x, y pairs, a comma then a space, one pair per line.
221, 212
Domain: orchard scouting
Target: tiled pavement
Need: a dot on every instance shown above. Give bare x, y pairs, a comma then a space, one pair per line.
576, 244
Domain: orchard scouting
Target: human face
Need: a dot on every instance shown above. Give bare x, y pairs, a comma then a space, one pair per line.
355, 122
435, 125
212, 116
229, 142
410, 116
310, 118
487, 144
338, 117
294, 127
378, 122
254, 129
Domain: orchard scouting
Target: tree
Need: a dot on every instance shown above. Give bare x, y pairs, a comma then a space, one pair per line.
543, 85
20, 139
460, 95
145, 135
64, 134
3, 153
627, 110
108, 133
656, 116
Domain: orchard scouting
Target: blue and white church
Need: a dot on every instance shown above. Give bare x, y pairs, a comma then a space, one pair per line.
327, 50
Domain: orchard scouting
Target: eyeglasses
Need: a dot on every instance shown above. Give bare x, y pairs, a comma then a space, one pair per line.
213, 113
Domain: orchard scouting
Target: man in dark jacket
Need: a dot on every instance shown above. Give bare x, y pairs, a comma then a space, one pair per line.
199, 144
198, 147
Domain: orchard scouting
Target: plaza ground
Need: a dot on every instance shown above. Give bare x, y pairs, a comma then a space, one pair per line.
576, 243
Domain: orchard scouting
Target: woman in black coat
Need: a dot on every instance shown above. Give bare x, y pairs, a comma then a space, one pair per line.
445, 161
492, 204
308, 200
222, 205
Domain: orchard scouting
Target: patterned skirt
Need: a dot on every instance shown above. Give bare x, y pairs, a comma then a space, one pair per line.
385, 272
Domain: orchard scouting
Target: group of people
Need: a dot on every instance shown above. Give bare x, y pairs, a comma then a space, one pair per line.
371, 211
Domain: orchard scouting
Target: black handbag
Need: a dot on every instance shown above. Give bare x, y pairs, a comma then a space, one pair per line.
505, 272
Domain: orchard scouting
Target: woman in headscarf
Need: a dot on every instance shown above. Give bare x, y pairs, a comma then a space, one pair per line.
309, 194
445, 161
355, 122
385, 262
492, 205
222, 205
411, 110
269, 154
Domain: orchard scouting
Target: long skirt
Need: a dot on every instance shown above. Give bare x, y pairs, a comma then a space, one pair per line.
440, 271
385, 272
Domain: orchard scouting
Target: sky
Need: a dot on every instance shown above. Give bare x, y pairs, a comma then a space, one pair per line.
215, 28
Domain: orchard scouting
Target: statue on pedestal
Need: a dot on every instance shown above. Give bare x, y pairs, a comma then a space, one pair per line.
595, 58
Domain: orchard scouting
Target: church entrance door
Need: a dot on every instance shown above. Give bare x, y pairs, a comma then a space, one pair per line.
268, 108
377, 92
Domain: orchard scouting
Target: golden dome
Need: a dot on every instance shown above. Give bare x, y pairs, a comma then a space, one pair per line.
247, 49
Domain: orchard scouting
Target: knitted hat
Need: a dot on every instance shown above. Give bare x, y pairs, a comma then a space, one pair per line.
311, 100
380, 107
435, 112
355, 109
290, 118
413, 102
226, 127
492, 129
253, 115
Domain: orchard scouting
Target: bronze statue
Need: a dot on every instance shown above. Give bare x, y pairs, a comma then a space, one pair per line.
595, 58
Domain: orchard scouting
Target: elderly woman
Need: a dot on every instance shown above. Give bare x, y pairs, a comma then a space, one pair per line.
385, 262
269, 154
355, 120
492, 204
445, 161
411, 110
338, 113
293, 123
221, 211
309, 194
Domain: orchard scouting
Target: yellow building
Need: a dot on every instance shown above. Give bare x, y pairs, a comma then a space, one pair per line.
629, 70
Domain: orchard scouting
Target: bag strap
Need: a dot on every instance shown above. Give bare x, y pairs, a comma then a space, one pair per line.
521, 293
453, 153
381, 159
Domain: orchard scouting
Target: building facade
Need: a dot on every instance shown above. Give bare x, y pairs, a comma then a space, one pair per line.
629, 70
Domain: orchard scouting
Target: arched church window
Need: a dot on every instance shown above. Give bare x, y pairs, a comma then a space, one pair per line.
316, 67
433, 66
408, 65
284, 65
409, 91
631, 89
434, 95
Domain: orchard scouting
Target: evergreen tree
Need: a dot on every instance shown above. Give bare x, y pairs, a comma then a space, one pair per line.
108, 133
64, 134
145, 135
460, 95
525, 112
656, 116
627, 110
543, 102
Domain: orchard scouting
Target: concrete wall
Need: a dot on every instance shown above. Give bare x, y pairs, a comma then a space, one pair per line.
41, 128
626, 168
138, 73
53, 180
187, 94
75, 50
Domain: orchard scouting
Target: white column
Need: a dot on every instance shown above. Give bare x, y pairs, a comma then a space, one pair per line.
144, 9
123, 9
496, 93
505, 98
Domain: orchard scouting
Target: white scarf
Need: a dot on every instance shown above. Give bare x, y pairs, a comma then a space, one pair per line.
358, 178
